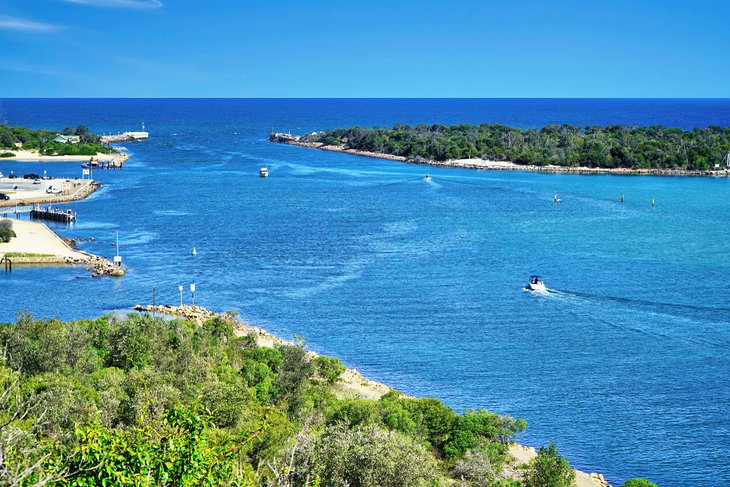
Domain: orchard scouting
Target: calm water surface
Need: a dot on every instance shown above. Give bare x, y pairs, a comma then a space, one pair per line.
418, 284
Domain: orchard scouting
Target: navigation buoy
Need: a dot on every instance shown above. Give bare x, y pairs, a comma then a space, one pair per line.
622, 197
195, 252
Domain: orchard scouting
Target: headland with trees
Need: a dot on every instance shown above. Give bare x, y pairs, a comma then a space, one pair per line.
141, 400
610, 148
71, 141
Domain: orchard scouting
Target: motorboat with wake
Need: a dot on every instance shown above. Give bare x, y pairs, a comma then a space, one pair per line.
264, 172
427, 178
536, 284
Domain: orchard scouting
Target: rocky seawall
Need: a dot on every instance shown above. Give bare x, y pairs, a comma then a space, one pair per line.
98, 266
77, 192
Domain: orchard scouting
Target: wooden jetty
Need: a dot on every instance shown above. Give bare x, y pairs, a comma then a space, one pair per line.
54, 214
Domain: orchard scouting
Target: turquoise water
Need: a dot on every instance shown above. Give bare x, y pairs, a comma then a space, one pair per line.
419, 284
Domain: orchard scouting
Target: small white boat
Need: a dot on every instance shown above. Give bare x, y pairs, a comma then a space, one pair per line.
264, 172
427, 178
556, 199
536, 284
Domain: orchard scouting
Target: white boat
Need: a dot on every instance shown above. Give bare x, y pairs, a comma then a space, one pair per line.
428, 177
264, 172
536, 284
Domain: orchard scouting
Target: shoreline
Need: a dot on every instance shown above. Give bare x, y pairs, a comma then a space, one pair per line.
32, 156
352, 384
488, 165
36, 244
73, 190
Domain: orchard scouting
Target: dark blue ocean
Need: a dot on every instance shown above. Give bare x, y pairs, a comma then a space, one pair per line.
625, 364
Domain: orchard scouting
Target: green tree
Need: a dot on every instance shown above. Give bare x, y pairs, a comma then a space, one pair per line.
176, 453
548, 469
475, 426
329, 368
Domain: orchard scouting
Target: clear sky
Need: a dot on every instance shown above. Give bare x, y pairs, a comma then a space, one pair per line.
374, 48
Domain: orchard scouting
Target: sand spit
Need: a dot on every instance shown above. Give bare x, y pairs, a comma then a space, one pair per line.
36, 244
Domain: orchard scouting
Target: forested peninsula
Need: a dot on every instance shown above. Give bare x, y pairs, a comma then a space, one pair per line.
142, 400
568, 146
71, 141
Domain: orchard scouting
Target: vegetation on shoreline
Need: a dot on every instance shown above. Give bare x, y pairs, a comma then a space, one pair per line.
6, 230
43, 141
128, 401
615, 146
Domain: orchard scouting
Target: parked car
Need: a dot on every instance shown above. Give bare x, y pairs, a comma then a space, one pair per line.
54, 190
3, 196
36, 181
12, 176
31, 176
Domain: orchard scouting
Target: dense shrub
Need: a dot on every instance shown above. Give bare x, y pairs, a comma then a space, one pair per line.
137, 400
638, 482
6, 230
371, 455
329, 368
548, 469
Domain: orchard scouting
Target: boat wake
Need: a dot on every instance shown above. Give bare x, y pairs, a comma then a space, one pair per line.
655, 306
673, 321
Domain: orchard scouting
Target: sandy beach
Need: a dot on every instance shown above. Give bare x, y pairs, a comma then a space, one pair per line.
36, 244
32, 156
38, 240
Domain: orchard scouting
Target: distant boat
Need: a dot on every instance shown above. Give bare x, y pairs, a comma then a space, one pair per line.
195, 252
556, 199
536, 284
427, 178
264, 172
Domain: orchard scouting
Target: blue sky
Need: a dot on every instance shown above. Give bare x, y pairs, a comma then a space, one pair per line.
313, 48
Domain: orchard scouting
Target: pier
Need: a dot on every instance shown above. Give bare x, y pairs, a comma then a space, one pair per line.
117, 162
54, 214
125, 137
